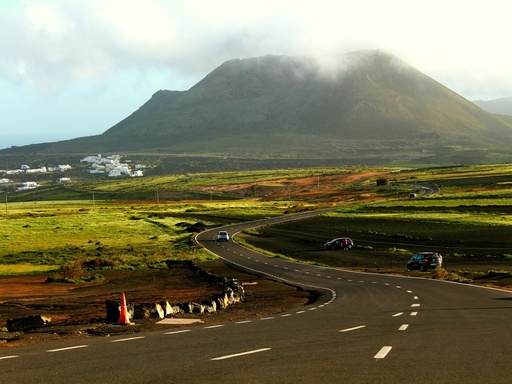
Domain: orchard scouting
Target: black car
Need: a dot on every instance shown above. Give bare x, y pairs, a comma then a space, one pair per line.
339, 243
425, 260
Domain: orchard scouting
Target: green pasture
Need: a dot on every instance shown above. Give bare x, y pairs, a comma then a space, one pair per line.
121, 222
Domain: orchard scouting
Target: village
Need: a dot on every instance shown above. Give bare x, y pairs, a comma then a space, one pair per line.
97, 164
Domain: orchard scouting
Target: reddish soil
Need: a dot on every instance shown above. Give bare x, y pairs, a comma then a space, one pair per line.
78, 311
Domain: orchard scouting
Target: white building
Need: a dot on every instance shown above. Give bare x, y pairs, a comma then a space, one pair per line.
27, 185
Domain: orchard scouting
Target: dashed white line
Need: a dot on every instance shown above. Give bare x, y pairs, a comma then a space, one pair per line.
416, 298
174, 332
67, 349
414, 313
8, 357
382, 353
398, 314
241, 354
403, 327
267, 318
286, 315
214, 326
415, 305
353, 328
128, 339
243, 322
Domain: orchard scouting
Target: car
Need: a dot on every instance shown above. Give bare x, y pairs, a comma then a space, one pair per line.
339, 243
222, 236
425, 261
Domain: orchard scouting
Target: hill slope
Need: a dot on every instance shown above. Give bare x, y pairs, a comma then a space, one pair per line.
369, 105
501, 106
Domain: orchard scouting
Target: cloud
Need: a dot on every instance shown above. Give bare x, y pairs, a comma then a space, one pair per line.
53, 49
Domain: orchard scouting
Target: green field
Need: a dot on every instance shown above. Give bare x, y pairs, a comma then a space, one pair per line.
470, 217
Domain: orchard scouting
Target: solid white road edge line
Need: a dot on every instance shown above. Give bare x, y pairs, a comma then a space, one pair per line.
241, 354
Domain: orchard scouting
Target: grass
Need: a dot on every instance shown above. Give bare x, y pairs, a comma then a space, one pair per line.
26, 269
470, 219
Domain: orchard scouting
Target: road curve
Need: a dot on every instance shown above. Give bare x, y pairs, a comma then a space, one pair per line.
366, 328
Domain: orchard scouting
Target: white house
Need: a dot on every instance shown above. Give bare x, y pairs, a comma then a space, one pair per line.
27, 185
63, 168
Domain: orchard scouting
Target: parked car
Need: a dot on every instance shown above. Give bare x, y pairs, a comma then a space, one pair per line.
222, 236
425, 260
339, 243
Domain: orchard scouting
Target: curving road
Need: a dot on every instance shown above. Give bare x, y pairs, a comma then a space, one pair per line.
366, 328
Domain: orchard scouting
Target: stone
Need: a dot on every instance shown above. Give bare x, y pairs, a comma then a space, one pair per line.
27, 323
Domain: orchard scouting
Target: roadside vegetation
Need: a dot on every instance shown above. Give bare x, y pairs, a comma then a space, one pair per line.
81, 229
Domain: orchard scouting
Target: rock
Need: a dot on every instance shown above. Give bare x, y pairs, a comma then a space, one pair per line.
168, 311
197, 308
114, 311
210, 306
148, 311
27, 323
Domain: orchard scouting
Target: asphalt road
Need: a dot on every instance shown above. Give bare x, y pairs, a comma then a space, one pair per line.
366, 328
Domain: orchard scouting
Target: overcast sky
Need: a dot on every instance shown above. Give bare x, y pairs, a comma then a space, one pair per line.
72, 68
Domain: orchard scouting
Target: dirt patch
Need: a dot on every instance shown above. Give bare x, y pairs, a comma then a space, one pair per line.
78, 311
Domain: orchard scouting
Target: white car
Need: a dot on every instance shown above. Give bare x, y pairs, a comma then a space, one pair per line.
222, 236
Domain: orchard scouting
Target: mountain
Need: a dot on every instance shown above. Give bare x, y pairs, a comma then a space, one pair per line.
367, 105
501, 106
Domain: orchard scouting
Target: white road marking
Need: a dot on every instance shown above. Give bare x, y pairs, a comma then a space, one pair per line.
398, 314
403, 327
416, 297
300, 312
67, 349
267, 318
174, 332
382, 353
241, 354
399, 287
243, 322
409, 291
286, 315
214, 326
8, 357
128, 339
353, 328
414, 313
415, 305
